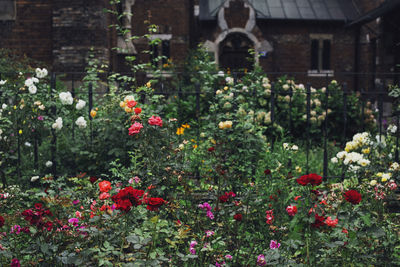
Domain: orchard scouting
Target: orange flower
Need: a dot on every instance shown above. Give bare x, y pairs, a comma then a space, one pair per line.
105, 186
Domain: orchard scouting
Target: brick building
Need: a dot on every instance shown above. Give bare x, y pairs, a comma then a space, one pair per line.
323, 39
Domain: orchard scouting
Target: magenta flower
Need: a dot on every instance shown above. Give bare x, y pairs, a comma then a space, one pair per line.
261, 260
40, 118
74, 221
209, 233
75, 202
228, 256
210, 215
274, 244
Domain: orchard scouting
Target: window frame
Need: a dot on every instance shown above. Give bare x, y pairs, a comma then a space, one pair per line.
322, 56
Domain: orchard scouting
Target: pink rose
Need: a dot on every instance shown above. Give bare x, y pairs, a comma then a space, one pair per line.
135, 128
104, 195
155, 121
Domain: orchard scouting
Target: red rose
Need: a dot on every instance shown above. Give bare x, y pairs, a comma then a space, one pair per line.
312, 178
154, 203
155, 121
267, 171
353, 197
1, 221
105, 186
211, 149
303, 180
238, 217
127, 197
138, 111
131, 103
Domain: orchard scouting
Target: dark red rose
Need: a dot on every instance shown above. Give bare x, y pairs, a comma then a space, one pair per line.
238, 217
319, 221
93, 179
223, 198
38, 206
211, 149
1, 221
267, 171
15, 263
154, 203
312, 178
48, 226
303, 180
353, 197
128, 197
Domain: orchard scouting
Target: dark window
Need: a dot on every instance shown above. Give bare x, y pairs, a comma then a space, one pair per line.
154, 54
314, 54
320, 54
7, 10
166, 52
234, 52
326, 55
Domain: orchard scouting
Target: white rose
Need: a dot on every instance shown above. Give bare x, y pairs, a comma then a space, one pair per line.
49, 164
32, 89
295, 148
334, 160
41, 73
81, 122
66, 98
58, 124
2, 82
4, 106
80, 105
34, 178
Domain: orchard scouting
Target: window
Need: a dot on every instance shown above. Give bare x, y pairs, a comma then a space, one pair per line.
320, 54
161, 48
7, 10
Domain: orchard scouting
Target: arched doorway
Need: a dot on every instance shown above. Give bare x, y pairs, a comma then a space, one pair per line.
234, 52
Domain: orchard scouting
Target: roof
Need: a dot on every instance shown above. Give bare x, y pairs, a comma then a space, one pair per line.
386, 7
329, 10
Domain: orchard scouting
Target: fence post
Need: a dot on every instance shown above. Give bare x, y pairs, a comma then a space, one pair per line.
344, 112
396, 156
325, 167
380, 108
363, 109
272, 112
198, 122
308, 87
290, 110
90, 95
53, 131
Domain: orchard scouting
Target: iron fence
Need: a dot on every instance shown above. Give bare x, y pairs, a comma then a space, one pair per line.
378, 94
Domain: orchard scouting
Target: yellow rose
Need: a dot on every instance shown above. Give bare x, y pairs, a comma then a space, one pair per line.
122, 104
128, 110
93, 113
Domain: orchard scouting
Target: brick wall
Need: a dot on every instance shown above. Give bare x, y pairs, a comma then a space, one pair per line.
77, 27
30, 33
